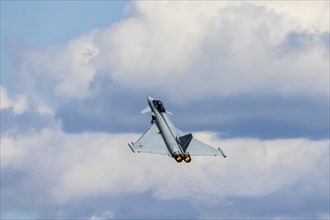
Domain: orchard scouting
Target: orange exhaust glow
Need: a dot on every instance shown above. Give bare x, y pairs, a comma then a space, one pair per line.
178, 159
187, 159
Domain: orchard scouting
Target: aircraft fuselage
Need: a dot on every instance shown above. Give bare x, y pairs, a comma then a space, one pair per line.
167, 131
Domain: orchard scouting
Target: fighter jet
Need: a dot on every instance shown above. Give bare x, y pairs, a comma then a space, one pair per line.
164, 138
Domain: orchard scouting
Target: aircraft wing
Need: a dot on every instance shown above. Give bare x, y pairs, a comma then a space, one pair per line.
197, 148
150, 142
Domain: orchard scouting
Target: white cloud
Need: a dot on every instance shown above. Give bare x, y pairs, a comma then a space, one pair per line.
11, 154
60, 71
192, 50
23, 103
19, 104
76, 75
309, 14
106, 215
220, 50
72, 167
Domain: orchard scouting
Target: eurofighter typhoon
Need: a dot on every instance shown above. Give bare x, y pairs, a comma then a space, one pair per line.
163, 138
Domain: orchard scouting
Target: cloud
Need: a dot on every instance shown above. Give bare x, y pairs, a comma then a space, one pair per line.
263, 117
106, 215
57, 71
212, 45
190, 55
253, 75
203, 47
309, 14
21, 113
18, 104
66, 168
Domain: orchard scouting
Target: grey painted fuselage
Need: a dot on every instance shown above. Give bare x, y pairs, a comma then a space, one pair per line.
165, 126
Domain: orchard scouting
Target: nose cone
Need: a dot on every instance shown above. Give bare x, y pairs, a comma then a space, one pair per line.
150, 98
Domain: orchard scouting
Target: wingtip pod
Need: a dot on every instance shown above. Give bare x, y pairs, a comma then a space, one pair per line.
223, 154
131, 147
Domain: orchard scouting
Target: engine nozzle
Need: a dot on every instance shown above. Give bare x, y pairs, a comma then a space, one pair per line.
187, 157
178, 157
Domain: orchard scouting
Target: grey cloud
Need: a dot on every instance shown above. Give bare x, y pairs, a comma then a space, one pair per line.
288, 203
264, 117
131, 206
111, 108
29, 121
25, 195
303, 41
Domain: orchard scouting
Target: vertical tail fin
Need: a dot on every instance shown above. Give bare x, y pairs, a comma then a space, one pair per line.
146, 109
185, 141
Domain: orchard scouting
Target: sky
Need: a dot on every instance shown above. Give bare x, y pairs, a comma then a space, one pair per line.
251, 77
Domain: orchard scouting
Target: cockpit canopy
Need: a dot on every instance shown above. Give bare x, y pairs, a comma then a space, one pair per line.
159, 105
